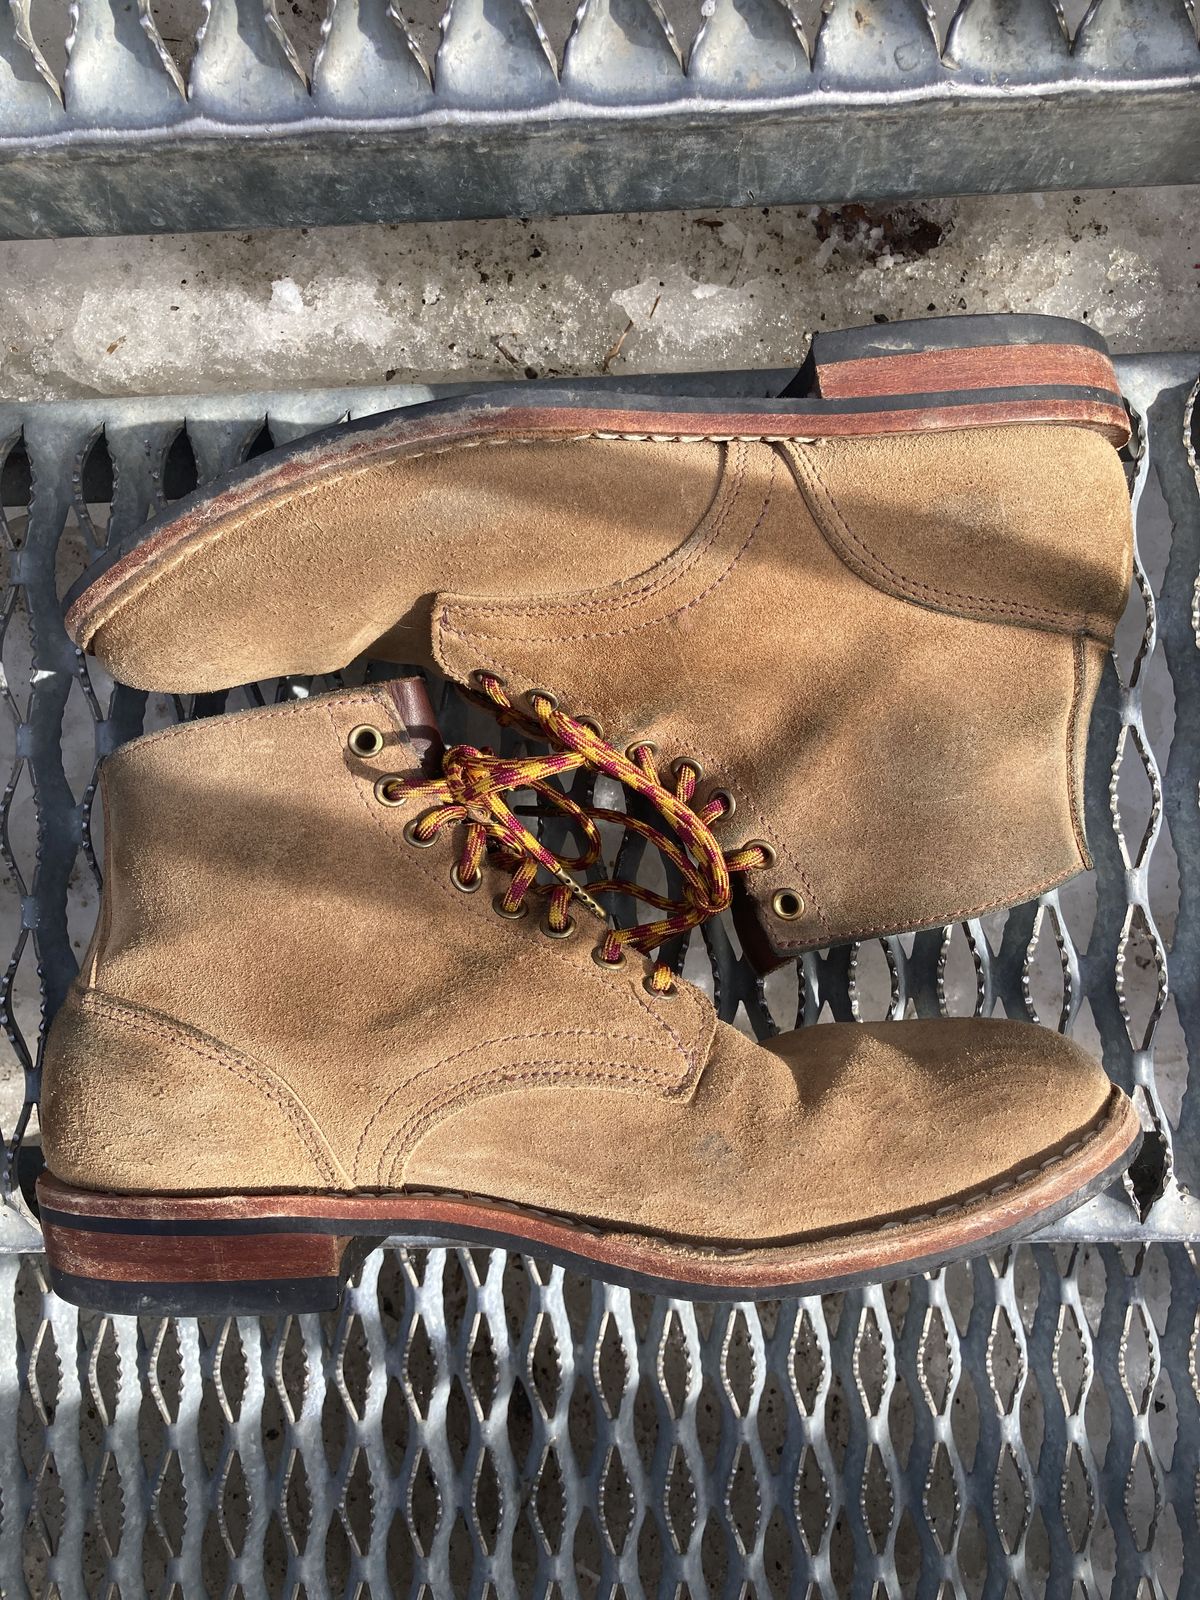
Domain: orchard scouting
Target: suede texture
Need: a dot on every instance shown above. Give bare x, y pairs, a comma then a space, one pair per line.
912, 745
883, 648
830, 1127
284, 994
352, 560
253, 844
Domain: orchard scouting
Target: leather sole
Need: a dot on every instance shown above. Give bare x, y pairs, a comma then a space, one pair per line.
901, 377
255, 1254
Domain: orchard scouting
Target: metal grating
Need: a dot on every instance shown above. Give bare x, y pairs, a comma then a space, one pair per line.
458, 108
477, 1424
489, 1430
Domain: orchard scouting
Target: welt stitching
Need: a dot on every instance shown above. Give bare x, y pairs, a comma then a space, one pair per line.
388, 453
257, 1075
639, 627
507, 1038
912, 588
687, 1052
549, 1072
966, 1203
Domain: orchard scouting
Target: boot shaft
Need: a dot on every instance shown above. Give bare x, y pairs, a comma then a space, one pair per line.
255, 836
285, 989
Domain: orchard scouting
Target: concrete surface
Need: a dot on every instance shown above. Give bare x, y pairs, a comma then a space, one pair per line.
578, 294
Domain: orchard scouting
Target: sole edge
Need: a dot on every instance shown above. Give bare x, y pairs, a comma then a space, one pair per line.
818, 1265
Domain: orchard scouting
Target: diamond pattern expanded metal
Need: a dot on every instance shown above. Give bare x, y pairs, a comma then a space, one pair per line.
478, 1424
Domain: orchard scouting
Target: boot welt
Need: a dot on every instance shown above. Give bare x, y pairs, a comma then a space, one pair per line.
903, 377
249, 1254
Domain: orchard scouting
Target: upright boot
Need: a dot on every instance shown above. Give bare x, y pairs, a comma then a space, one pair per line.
315, 1012
873, 617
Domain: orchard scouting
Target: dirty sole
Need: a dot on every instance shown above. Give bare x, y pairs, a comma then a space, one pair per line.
228, 1255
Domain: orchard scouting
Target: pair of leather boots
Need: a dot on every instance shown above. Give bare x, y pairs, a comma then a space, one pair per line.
842, 647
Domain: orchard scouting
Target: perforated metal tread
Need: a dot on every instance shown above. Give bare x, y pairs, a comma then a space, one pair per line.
520, 107
1035, 1419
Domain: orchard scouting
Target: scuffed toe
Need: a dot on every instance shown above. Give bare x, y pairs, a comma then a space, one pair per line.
911, 1117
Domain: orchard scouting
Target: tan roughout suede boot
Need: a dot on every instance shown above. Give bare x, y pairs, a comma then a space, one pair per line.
873, 617
314, 1013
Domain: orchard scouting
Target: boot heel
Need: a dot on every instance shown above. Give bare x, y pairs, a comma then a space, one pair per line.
969, 371
133, 1255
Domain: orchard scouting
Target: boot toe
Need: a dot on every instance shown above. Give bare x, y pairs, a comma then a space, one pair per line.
912, 1118
812, 1147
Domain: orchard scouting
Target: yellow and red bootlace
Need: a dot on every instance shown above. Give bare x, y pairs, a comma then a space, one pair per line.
470, 791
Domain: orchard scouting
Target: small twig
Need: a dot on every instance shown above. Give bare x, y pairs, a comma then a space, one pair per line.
614, 349
498, 341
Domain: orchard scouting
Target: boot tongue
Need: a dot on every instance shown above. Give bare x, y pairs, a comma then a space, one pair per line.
411, 699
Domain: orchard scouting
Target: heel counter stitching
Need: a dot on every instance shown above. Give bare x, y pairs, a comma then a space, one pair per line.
155, 1025
869, 565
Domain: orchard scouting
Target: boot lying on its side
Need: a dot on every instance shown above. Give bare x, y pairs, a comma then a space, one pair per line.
322, 1005
874, 615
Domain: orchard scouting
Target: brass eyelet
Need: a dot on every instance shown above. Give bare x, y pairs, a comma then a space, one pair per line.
465, 885
660, 994
631, 750
602, 960
383, 785
593, 723
411, 836
483, 677
502, 910
542, 694
728, 801
686, 761
365, 740
787, 904
558, 933
768, 851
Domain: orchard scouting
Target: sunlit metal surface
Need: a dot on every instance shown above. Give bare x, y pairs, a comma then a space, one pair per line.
474, 1420
496, 117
